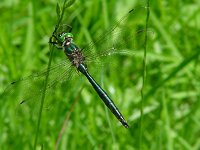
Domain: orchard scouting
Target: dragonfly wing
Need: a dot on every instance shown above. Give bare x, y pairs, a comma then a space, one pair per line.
28, 90
121, 38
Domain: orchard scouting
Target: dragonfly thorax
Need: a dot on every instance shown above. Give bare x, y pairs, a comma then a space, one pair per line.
73, 53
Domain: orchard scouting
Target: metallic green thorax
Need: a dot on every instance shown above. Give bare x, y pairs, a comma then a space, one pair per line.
69, 46
71, 50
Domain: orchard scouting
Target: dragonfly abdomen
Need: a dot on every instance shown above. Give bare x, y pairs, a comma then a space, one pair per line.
103, 95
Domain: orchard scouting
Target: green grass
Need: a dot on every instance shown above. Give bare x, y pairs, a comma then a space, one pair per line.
171, 91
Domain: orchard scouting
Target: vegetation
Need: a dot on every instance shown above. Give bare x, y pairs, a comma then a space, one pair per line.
164, 87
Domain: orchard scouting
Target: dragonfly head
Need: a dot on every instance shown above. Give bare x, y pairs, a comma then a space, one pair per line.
66, 36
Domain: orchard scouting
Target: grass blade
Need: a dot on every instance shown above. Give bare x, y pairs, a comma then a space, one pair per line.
143, 77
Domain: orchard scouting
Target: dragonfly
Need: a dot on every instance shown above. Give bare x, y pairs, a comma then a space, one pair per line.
80, 59
77, 59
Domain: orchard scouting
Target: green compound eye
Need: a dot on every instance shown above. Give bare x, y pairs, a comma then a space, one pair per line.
63, 36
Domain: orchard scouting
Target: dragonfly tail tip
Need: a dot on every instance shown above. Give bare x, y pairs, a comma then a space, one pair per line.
125, 124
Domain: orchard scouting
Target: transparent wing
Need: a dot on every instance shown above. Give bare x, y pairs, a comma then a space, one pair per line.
120, 39
31, 87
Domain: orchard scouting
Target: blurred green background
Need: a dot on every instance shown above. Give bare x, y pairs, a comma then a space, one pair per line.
171, 114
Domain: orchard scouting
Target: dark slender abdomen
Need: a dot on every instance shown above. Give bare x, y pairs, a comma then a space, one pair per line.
106, 99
